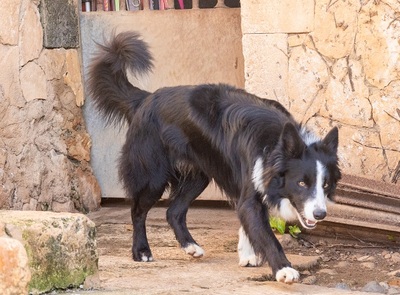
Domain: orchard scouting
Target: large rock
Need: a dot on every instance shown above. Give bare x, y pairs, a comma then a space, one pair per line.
61, 247
14, 270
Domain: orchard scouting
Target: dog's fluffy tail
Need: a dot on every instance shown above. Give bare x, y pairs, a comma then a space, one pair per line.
108, 84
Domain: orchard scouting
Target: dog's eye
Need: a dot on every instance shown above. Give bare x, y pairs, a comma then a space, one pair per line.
302, 184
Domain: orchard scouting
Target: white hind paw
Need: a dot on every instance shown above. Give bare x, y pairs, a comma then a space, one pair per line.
287, 275
194, 250
251, 260
247, 257
146, 258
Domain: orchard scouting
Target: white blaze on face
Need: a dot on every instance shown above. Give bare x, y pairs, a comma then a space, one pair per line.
318, 198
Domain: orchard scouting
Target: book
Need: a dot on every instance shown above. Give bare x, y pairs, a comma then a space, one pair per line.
134, 5
164, 4
106, 5
154, 4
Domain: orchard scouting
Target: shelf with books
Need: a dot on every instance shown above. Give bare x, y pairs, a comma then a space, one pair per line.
133, 5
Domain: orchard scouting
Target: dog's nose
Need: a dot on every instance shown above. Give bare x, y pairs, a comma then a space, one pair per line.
319, 214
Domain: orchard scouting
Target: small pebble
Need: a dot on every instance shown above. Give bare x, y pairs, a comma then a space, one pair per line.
342, 286
373, 287
363, 258
396, 257
325, 258
393, 291
328, 271
394, 273
368, 265
342, 264
395, 283
310, 280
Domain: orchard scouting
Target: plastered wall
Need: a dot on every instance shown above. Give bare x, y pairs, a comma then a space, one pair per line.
189, 47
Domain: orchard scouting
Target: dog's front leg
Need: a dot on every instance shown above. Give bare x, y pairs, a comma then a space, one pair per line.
258, 241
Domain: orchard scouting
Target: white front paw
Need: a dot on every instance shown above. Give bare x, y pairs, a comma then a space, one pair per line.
195, 250
287, 275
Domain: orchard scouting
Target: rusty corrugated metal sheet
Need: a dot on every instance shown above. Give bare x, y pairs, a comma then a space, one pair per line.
364, 209
366, 193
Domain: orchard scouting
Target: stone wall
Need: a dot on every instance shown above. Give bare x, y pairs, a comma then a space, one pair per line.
332, 63
44, 146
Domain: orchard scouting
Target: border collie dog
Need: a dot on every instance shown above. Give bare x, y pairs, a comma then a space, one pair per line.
180, 138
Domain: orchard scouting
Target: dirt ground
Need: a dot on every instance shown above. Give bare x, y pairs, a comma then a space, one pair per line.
322, 262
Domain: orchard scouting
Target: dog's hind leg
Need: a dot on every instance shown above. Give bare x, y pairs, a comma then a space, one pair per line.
141, 204
143, 170
183, 192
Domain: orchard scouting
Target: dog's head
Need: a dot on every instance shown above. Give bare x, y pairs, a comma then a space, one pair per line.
300, 175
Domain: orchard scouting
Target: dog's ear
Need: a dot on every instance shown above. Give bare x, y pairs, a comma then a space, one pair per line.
331, 140
291, 142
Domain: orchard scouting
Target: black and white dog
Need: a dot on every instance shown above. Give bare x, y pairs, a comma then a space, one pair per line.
183, 137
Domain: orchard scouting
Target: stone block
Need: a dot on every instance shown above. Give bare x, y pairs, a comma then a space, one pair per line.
335, 27
31, 34
61, 247
14, 269
385, 104
60, 22
308, 76
9, 21
9, 75
73, 75
277, 16
347, 88
52, 62
378, 43
266, 64
33, 82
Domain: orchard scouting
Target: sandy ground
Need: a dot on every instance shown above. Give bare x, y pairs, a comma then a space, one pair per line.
174, 272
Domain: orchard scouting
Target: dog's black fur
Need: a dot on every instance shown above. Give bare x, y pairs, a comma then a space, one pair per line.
183, 137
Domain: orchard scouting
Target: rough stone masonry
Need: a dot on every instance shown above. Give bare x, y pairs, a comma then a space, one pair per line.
44, 146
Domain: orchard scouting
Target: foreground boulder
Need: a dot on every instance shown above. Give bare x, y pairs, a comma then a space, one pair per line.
61, 247
14, 269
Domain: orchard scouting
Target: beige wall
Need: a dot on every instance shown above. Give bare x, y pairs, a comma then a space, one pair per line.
189, 47
332, 63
